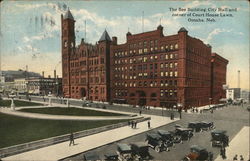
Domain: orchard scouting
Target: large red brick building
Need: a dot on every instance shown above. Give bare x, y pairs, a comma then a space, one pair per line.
148, 69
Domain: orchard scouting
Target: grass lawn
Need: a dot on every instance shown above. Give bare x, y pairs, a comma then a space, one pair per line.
70, 111
17, 130
18, 103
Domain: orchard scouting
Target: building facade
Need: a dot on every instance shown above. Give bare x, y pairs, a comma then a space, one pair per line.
148, 69
218, 77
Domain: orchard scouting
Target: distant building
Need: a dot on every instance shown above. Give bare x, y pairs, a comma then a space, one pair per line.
20, 85
245, 95
230, 94
44, 86
233, 93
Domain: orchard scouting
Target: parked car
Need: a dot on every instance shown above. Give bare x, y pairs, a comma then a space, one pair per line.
154, 141
195, 126
91, 157
184, 133
207, 125
140, 151
167, 137
198, 153
124, 151
112, 156
219, 138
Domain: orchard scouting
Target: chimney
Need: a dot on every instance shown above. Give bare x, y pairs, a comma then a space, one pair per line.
114, 40
55, 74
43, 74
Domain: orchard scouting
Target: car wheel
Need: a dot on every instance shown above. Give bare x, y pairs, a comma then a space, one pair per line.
157, 149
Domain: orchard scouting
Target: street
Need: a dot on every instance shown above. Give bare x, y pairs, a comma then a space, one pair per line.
231, 118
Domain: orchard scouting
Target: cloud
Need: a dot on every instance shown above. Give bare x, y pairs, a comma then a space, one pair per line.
217, 31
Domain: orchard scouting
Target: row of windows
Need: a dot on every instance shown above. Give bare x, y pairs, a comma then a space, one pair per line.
147, 83
163, 93
168, 93
83, 63
146, 59
146, 50
146, 75
145, 66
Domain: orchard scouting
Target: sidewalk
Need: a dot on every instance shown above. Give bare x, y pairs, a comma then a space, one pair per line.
61, 117
239, 145
62, 150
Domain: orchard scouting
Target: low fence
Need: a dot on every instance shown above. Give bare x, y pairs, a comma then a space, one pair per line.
16, 149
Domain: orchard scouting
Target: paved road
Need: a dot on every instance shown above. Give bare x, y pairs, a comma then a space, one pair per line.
231, 118
72, 102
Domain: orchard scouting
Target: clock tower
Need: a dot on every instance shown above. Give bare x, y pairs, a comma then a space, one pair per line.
68, 47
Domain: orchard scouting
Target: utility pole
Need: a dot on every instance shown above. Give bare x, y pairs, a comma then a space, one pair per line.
238, 79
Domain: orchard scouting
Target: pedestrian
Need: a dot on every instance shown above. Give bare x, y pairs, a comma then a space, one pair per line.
148, 124
241, 158
128, 123
224, 152
235, 157
71, 138
140, 112
132, 124
135, 124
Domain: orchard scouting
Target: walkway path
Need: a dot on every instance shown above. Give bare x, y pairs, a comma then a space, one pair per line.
61, 117
62, 150
239, 145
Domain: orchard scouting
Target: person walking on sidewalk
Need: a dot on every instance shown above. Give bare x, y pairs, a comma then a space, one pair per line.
135, 124
132, 124
71, 138
140, 112
148, 124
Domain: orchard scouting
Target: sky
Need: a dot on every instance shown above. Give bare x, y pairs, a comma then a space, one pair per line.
30, 32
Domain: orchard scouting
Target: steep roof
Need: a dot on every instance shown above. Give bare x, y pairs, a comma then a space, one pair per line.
105, 36
182, 29
68, 15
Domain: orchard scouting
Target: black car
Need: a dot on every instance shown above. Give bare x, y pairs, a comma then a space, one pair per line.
198, 153
140, 151
91, 157
154, 140
195, 126
124, 151
112, 156
207, 125
184, 133
219, 138
167, 137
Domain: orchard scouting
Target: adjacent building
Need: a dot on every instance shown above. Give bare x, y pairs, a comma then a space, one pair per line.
218, 78
148, 69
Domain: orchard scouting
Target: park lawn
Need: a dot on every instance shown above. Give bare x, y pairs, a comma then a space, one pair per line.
17, 130
72, 111
18, 103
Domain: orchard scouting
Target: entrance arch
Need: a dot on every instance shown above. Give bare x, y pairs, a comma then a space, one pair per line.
83, 92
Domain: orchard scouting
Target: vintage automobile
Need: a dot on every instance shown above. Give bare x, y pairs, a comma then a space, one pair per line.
219, 138
124, 151
111, 156
198, 153
184, 133
140, 151
195, 126
154, 141
207, 125
91, 157
167, 137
